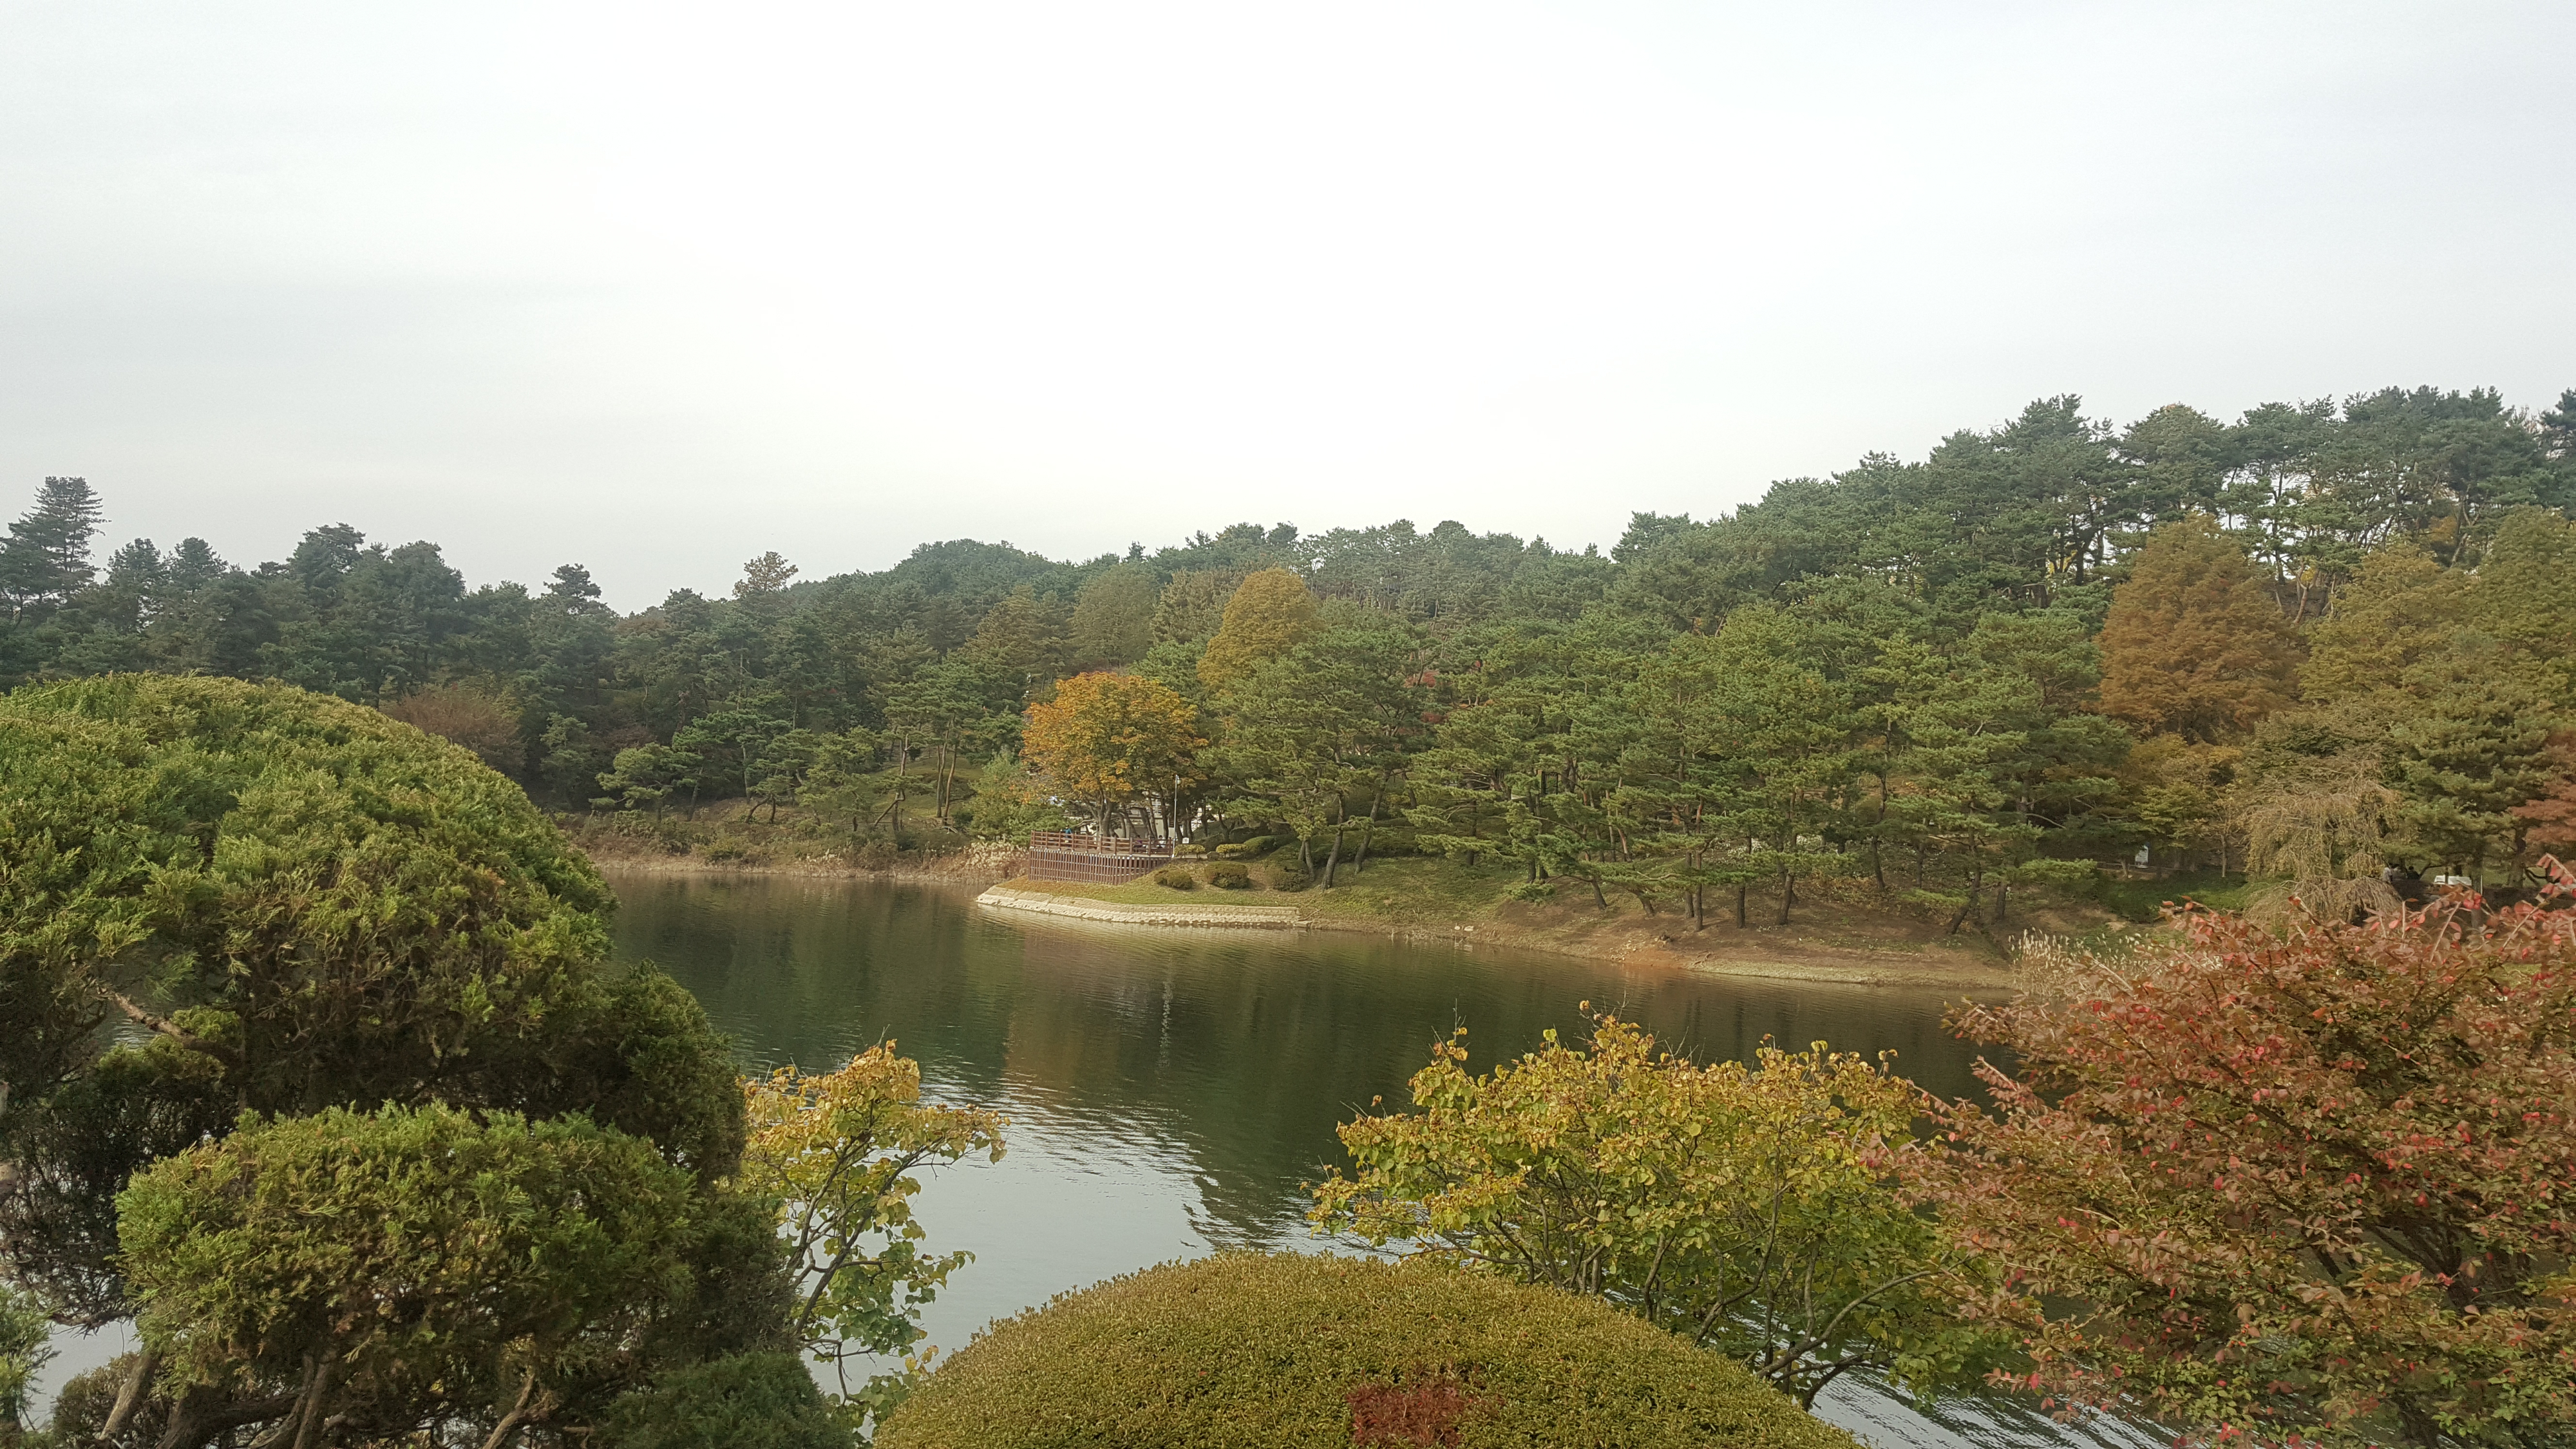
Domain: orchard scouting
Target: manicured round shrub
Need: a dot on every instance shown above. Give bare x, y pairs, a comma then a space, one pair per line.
1230, 877
763, 1399
1279, 1351
295, 902
1173, 877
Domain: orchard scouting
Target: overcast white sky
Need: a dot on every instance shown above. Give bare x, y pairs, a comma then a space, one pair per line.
655, 287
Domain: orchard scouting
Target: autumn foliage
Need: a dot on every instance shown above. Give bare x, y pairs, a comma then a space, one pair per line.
1270, 611
464, 714
2194, 644
2309, 1188
834, 1154
1742, 1207
1107, 738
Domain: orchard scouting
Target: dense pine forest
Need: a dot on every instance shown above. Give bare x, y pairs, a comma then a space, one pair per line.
2324, 643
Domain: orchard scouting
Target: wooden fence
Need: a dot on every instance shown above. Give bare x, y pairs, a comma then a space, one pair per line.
1079, 859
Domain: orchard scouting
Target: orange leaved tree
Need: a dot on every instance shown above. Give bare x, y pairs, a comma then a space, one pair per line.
2315, 1188
2195, 644
1106, 739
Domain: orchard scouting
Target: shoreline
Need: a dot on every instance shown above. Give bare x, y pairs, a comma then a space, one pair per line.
993, 878
965, 873
1799, 961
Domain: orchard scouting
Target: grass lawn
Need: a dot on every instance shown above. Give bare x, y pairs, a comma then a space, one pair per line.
2142, 900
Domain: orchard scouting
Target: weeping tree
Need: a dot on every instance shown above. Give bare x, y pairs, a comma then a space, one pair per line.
2321, 826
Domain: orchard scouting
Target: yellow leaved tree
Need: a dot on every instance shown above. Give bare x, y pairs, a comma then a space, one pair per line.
1107, 739
1269, 613
1751, 1209
835, 1155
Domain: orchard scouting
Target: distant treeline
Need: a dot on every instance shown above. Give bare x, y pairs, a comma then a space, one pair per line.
2333, 636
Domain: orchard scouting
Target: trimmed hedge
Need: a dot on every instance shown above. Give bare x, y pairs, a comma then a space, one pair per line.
763, 1399
1264, 1351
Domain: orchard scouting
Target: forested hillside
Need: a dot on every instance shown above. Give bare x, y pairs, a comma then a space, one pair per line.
2316, 642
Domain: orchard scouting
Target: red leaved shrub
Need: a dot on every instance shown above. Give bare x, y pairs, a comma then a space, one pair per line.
2309, 1187
1424, 1414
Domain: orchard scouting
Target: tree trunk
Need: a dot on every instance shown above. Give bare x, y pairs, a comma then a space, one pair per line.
201, 1414
902, 770
948, 785
1878, 866
130, 1397
1743, 905
508, 1428
1976, 887
1368, 828
1788, 894
317, 1401
1335, 854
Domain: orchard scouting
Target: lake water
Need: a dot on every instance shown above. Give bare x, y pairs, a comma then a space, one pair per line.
1173, 1091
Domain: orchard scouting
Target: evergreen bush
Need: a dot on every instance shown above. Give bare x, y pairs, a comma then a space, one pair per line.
1173, 877
1282, 1351
764, 1399
1229, 877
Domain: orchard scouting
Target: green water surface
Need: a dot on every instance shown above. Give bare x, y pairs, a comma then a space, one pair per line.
1170, 1090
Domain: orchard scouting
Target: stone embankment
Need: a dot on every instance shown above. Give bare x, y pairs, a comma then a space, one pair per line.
1270, 918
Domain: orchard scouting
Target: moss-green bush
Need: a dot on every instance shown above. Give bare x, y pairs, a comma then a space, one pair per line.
301, 903
1230, 877
763, 1399
1288, 1350
1173, 877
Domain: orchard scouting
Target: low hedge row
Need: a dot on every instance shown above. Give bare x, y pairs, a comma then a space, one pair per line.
1262, 1351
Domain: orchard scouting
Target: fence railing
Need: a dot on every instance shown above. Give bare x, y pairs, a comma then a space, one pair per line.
1079, 859
1085, 840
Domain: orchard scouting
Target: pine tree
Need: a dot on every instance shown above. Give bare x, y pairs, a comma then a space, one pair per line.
1113, 617
2476, 752
764, 576
46, 557
2194, 644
